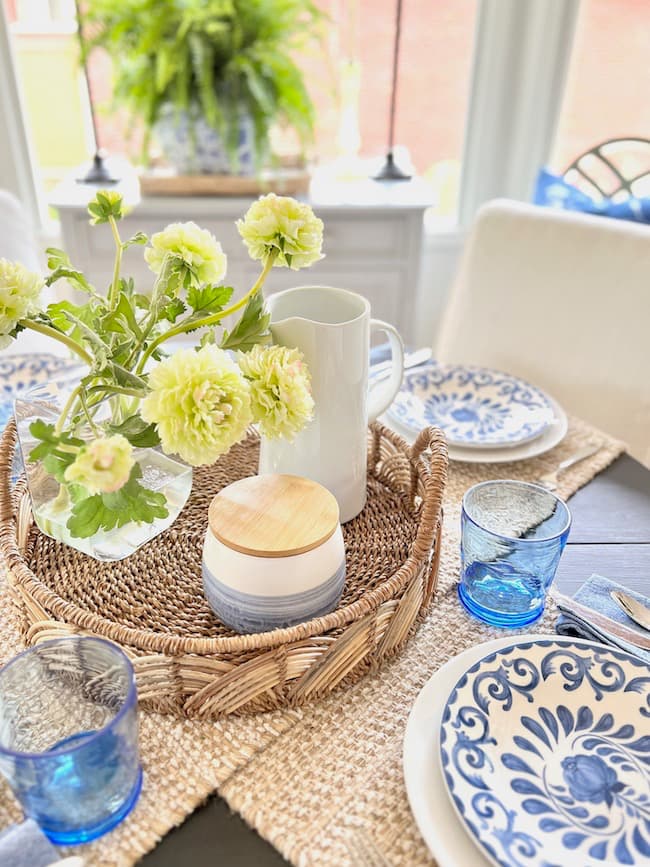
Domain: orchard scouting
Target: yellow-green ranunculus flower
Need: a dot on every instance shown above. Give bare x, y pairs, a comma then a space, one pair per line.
281, 398
20, 291
199, 402
281, 225
196, 250
103, 465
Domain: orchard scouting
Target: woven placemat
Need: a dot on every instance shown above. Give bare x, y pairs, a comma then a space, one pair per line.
283, 771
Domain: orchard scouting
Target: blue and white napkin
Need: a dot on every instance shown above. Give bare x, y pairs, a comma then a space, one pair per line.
25, 845
595, 594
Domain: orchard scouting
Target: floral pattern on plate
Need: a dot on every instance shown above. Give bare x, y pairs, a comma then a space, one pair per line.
473, 406
545, 749
19, 373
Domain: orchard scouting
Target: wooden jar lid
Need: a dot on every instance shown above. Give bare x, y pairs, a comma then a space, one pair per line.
273, 515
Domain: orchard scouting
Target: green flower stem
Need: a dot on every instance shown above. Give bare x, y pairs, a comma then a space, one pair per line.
115, 285
152, 317
115, 389
84, 404
209, 320
57, 335
66, 409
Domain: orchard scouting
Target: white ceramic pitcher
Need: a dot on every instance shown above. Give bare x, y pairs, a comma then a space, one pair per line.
332, 328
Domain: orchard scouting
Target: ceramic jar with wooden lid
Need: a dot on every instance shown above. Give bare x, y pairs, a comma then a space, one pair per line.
273, 553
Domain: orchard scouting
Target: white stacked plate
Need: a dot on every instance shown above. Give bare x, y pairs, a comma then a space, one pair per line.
486, 415
20, 372
534, 752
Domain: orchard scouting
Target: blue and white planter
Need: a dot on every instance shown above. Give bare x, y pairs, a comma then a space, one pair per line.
202, 151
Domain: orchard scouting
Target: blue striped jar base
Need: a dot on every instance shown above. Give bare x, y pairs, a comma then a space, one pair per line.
250, 612
273, 554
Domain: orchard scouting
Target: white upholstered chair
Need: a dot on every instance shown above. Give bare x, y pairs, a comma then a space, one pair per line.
562, 299
17, 241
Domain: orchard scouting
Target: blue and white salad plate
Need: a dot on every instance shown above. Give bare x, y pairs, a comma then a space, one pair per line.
475, 407
19, 373
545, 752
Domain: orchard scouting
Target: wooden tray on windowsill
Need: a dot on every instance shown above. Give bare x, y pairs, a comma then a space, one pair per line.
286, 182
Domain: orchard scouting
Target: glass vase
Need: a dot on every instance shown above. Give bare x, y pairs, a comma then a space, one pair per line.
160, 473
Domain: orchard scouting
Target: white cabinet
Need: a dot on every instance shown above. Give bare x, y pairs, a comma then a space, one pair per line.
372, 242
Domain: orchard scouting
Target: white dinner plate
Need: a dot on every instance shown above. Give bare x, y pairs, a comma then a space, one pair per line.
441, 829
475, 407
553, 435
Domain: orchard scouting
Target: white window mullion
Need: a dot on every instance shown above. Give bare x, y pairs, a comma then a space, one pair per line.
16, 157
521, 59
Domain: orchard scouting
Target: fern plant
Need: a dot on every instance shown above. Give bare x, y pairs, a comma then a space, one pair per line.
223, 59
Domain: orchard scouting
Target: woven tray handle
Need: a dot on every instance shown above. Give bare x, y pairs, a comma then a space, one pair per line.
7, 449
430, 447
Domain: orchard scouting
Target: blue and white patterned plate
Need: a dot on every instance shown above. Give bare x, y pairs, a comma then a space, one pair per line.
475, 407
545, 750
18, 373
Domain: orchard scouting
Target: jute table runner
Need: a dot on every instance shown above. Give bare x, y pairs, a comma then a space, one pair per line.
307, 779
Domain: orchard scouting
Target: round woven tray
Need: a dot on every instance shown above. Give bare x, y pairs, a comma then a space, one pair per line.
152, 604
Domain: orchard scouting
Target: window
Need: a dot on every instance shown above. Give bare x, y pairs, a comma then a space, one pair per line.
350, 83
56, 105
609, 80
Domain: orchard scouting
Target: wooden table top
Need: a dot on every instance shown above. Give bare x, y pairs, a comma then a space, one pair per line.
610, 535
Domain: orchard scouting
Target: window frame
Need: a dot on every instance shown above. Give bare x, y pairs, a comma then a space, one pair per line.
521, 55
18, 165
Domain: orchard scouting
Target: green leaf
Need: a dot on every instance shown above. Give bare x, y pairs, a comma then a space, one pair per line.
126, 378
64, 315
65, 271
142, 302
205, 300
132, 502
121, 352
55, 451
137, 432
46, 432
56, 258
88, 334
122, 319
175, 277
138, 238
172, 310
106, 204
252, 328
57, 314
127, 285
208, 338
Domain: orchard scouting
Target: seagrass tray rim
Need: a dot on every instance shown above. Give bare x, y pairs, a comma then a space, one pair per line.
434, 472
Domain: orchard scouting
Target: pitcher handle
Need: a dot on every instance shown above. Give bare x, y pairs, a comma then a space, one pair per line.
383, 394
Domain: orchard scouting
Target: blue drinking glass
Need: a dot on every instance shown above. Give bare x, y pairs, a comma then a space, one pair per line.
69, 736
512, 537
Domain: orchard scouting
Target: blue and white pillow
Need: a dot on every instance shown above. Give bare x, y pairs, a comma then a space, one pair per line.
553, 191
